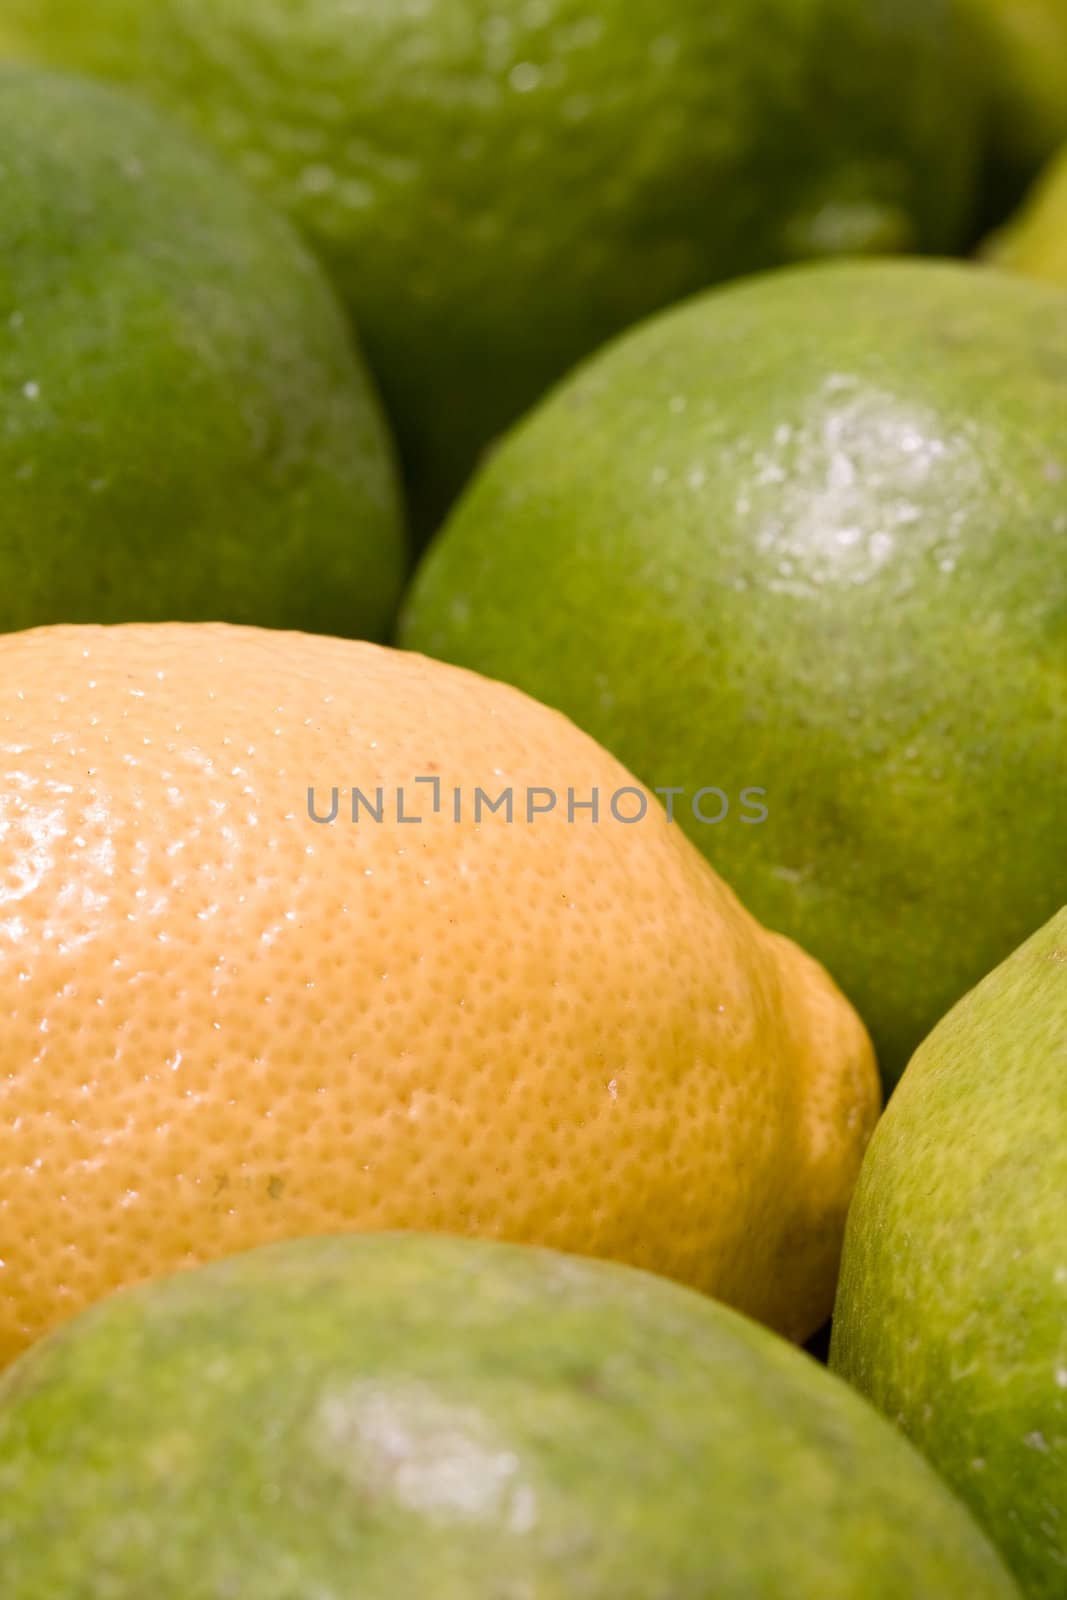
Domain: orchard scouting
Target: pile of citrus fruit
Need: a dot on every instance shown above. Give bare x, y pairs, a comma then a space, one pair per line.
533, 788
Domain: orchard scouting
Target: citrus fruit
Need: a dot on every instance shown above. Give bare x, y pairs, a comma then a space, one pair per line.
1023, 49
1035, 241
225, 1019
186, 429
805, 535
952, 1311
498, 185
396, 1415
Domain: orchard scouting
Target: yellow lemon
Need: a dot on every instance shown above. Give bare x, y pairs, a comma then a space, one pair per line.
224, 1022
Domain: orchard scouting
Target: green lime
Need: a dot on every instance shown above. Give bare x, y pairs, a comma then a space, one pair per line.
396, 1416
499, 185
952, 1309
805, 535
186, 431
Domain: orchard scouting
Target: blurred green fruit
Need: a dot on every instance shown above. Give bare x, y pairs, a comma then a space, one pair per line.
499, 185
1035, 241
1023, 46
186, 431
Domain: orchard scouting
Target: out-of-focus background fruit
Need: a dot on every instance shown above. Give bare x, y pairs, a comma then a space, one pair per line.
186, 429
497, 188
1035, 240
1022, 48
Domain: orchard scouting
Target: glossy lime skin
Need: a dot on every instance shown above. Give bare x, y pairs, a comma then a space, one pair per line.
186, 429
952, 1308
807, 534
386, 1416
499, 185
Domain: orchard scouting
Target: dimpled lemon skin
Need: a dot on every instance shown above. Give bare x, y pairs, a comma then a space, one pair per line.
186, 428
757, 541
499, 185
456, 1420
222, 1022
